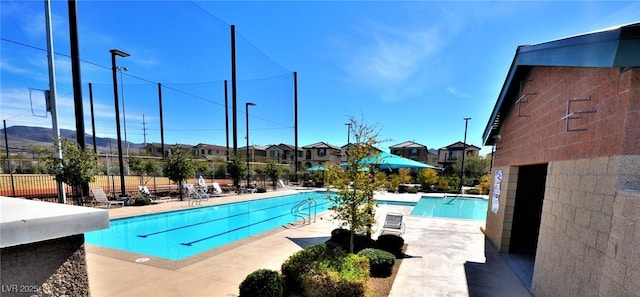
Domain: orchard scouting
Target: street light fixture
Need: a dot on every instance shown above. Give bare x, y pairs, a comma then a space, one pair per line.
464, 152
114, 53
247, 114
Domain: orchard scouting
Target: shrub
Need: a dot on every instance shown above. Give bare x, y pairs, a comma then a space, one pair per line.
473, 191
340, 238
261, 190
402, 189
262, 282
344, 275
390, 243
142, 201
412, 190
380, 262
303, 261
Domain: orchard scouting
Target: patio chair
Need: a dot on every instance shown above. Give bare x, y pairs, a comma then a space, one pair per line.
144, 192
99, 197
202, 188
217, 191
393, 224
194, 195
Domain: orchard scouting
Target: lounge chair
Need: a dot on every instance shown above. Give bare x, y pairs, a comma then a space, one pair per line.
194, 195
99, 197
203, 189
281, 184
217, 191
393, 224
245, 189
144, 192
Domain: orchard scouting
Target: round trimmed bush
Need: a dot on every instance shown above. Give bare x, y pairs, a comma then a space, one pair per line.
380, 262
262, 282
304, 260
390, 243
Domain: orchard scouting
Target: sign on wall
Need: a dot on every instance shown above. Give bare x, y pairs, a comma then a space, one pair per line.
495, 200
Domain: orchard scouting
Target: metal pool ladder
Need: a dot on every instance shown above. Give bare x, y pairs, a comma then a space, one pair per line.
297, 212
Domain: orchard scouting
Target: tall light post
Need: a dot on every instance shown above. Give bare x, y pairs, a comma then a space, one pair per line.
247, 114
124, 113
464, 152
114, 53
348, 143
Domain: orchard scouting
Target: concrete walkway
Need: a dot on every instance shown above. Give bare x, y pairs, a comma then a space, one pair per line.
446, 258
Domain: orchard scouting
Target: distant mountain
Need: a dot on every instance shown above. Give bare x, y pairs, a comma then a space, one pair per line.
25, 136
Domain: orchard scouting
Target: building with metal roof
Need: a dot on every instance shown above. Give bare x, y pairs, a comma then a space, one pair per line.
566, 166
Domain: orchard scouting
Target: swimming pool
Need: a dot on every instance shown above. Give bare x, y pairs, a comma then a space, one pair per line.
180, 234
459, 207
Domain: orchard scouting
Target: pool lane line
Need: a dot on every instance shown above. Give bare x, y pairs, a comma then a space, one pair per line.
235, 229
210, 221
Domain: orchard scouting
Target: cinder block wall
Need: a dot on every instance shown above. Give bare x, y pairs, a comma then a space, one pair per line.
498, 226
576, 225
47, 268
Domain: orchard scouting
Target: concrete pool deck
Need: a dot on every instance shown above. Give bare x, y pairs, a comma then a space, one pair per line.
445, 258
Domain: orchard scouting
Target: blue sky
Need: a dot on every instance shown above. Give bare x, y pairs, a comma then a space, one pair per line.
413, 69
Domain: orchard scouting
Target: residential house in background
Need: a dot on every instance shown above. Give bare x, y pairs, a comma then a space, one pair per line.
321, 152
450, 154
284, 154
345, 149
155, 149
411, 150
432, 157
209, 151
257, 153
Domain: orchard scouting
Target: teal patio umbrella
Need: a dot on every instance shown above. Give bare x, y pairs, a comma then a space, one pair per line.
384, 160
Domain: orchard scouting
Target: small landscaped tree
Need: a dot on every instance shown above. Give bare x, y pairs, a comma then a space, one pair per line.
353, 204
237, 168
146, 168
427, 177
76, 167
273, 171
179, 167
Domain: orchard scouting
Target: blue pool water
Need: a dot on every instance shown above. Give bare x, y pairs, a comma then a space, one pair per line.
180, 234
459, 207
452, 207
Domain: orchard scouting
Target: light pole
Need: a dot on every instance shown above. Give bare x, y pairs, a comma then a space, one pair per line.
464, 152
247, 114
114, 53
124, 114
348, 143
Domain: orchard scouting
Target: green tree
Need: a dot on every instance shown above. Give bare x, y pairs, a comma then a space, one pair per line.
179, 167
237, 168
76, 167
474, 168
353, 204
427, 177
146, 168
273, 171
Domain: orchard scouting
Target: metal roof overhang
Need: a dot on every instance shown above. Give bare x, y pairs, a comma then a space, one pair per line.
616, 48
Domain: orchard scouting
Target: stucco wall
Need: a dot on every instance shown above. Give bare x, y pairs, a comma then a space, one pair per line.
47, 268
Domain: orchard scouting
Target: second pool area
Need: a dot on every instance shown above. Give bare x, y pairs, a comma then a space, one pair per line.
458, 207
